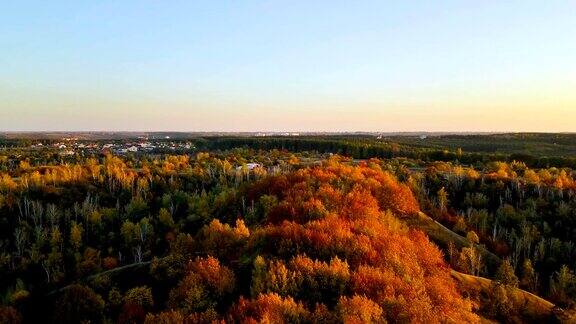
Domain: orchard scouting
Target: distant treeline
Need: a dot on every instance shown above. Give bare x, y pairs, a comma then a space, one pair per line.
476, 148
361, 147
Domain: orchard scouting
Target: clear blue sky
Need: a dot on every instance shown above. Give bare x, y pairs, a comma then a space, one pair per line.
288, 65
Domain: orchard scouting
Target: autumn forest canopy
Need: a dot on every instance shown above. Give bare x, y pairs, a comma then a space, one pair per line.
300, 229
287, 162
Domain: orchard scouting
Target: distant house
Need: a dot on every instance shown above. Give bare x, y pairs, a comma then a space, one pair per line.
253, 165
250, 166
132, 149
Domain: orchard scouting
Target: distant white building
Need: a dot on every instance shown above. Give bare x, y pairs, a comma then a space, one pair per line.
250, 166
132, 149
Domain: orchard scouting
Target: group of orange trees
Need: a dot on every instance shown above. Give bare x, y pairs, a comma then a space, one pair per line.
202, 241
328, 247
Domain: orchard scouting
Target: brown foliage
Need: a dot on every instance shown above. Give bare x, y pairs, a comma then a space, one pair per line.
269, 308
9, 315
223, 240
77, 304
359, 309
205, 283
217, 277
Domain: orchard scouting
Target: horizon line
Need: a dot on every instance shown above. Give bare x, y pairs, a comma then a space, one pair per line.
289, 131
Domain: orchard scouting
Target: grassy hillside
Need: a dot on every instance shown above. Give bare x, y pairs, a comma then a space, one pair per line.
442, 236
532, 308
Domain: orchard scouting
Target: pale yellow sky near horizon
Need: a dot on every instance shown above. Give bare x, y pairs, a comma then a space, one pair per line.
444, 111
336, 117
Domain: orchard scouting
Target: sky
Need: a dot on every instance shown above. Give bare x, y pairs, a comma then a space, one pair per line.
288, 65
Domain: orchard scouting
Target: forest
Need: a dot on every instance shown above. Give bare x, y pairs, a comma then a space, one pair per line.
288, 229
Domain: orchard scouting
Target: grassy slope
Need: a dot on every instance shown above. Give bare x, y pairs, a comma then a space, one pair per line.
442, 236
532, 306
